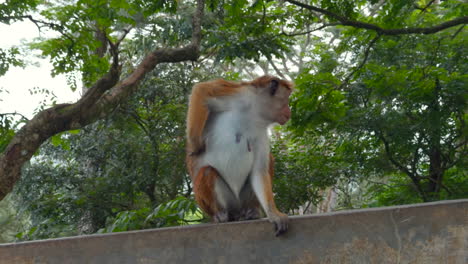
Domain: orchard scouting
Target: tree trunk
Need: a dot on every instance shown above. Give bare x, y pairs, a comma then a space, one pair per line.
435, 152
435, 173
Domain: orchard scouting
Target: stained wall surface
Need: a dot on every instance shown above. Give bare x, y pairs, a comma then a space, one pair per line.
423, 233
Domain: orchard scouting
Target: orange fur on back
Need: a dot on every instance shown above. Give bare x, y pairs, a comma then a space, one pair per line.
204, 186
198, 110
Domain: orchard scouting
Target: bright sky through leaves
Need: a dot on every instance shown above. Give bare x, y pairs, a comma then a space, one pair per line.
17, 82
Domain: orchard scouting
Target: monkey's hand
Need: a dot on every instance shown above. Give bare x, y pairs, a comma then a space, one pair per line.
280, 221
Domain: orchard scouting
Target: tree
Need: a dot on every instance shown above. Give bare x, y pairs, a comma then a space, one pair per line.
346, 14
398, 109
112, 175
92, 39
71, 50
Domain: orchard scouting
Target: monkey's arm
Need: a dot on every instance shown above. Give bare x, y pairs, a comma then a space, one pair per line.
198, 110
262, 183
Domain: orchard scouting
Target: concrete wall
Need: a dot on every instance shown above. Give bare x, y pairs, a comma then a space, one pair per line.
422, 233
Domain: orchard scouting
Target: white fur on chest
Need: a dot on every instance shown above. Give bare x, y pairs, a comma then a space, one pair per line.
234, 141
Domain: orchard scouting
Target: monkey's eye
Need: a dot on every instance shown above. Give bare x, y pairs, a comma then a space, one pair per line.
273, 86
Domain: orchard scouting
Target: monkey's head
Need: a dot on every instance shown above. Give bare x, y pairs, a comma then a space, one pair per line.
273, 98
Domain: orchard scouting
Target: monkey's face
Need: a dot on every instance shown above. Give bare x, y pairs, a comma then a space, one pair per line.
284, 115
281, 98
273, 99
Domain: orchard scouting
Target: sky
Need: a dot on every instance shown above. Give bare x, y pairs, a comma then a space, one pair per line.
18, 81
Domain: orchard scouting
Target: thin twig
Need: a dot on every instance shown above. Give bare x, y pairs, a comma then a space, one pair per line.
411, 175
427, 6
363, 62
124, 34
310, 31
458, 31
14, 113
276, 69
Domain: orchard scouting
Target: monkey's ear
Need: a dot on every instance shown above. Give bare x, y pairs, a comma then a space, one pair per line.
274, 84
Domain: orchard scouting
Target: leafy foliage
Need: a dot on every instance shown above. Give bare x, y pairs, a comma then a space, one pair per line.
400, 114
13, 10
378, 119
257, 27
117, 169
81, 26
9, 58
172, 213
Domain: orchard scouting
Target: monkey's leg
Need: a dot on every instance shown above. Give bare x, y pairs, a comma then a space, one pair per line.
213, 195
203, 187
250, 207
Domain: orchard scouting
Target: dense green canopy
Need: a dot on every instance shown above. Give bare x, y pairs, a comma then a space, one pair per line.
379, 111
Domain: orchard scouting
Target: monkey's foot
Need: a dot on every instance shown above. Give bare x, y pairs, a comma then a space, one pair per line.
221, 217
280, 221
250, 214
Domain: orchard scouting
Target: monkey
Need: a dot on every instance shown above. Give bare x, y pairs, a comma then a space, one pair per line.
228, 150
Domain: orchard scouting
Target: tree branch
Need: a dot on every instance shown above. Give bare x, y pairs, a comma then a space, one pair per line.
276, 69
39, 24
438, 183
383, 31
103, 97
458, 31
310, 31
363, 62
15, 114
427, 6
402, 168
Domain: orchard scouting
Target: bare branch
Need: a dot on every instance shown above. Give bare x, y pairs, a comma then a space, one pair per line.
39, 23
310, 31
280, 74
124, 34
